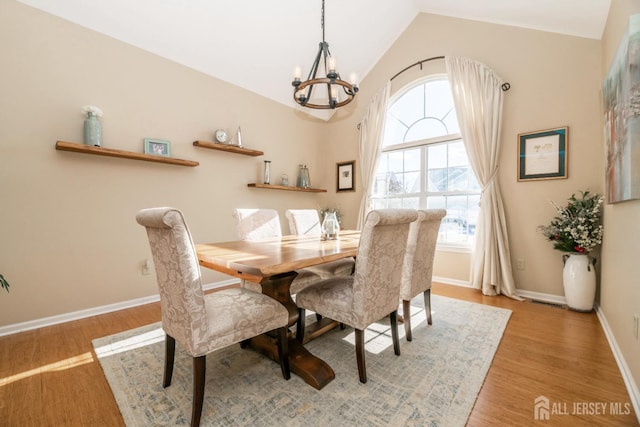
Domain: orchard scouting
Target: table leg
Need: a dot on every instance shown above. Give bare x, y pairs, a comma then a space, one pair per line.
313, 370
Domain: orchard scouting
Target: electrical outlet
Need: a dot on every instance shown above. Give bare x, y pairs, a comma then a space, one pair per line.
520, 264
146, 267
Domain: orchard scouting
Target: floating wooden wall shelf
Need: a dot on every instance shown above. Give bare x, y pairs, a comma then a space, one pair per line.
230, 148
284, 187
110, 152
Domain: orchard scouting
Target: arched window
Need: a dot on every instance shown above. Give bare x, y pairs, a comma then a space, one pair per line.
423, 164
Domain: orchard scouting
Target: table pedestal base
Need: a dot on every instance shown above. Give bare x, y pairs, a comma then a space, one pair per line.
313, 370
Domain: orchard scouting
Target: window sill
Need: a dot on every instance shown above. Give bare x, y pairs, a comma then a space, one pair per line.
454, 248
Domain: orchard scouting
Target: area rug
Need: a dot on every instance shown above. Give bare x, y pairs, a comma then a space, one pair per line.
433, 383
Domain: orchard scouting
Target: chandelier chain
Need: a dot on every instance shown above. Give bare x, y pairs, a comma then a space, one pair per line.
322, 21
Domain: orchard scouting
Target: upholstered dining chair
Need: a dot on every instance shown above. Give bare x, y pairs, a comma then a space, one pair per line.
261, 224
307, 222
203, 323
373, 291
417, 268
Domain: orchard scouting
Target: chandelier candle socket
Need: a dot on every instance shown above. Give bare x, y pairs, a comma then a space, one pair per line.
329, 83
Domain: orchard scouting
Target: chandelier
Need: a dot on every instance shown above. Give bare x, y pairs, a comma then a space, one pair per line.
335, 92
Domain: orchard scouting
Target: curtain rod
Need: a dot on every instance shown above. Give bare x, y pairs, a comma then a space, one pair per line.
505, 86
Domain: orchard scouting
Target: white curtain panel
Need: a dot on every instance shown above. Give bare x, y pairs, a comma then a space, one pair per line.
371, 133
477, 96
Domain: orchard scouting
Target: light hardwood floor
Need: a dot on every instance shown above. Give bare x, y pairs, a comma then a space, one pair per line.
50, 376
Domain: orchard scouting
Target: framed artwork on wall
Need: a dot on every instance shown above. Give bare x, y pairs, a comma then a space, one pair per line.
543, 154
157, 147
346, 180
621, 98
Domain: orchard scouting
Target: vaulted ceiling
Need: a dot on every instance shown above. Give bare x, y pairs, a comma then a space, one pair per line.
255, 44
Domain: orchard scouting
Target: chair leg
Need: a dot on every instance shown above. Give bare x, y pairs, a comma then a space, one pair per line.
199, 369
406, 319
394, 332
427, 304
169, 354
283, 351
300, 325
362, 368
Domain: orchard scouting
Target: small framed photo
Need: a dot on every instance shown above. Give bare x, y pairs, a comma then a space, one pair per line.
346, 180
157, 147
543, 154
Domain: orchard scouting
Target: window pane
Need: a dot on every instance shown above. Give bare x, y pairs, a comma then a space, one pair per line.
394, 131
426, 128
411, 203
437, 180
412, 182
437, 155
412, 160
409, 108
457, 154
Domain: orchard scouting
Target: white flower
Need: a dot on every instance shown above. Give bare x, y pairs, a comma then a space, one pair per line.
91, 109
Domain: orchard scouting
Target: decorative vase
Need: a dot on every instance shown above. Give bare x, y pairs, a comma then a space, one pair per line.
267, 172
579, 280
92, 130
306, 180
300, 180
239, 137
330, 226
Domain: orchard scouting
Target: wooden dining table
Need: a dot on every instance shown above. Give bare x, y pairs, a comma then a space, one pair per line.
273, 263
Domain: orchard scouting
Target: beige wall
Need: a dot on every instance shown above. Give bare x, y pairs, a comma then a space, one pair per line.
555, 82
68, 237
620, 290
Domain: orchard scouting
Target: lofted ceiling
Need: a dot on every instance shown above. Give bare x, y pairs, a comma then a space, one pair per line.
255, 44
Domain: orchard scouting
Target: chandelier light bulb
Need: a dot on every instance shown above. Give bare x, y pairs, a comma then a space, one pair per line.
332, 64
297, 73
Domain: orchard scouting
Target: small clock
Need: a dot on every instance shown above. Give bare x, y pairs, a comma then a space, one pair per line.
221, 136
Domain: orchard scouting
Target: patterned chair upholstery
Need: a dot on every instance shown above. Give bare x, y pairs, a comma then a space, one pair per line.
417, 269
373, 291
203, 323
307, 222
262, 224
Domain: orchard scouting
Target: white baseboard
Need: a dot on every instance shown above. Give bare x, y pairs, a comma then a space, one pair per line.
448, 281
81, 314
629, 382
539, 296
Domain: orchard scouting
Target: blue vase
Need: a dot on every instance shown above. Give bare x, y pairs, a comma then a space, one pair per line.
92, 130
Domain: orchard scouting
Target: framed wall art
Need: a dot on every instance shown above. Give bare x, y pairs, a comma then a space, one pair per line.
346, 180
621, 97
543, 154
157, 147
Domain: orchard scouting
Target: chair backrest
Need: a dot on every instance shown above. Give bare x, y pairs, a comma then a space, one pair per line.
383, 242
417, 269
257, 224
178, 276
304, 221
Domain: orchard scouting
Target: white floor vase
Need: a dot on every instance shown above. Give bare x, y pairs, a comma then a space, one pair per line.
579, 280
